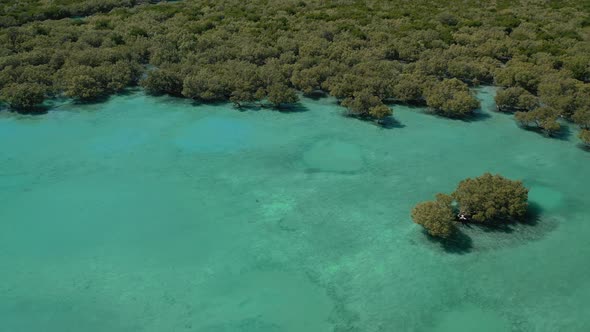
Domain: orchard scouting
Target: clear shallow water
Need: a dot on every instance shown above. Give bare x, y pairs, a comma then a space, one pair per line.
152, 214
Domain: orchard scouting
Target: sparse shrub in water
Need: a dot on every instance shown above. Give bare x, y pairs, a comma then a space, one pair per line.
492, 198
488, 199
436, 216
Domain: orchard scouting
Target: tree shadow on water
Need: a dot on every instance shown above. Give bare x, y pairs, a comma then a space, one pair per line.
583, 147
34, 111
494, 228
93, 101
283, 108
459, 243
533, 215
564, 133
390, 123
292, 108
247, 108
316, 95
475, 117
386, 123
198, 103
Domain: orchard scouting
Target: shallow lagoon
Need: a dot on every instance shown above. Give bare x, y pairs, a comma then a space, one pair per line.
154, 214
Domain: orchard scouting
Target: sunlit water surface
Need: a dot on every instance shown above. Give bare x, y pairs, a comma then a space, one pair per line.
155, 214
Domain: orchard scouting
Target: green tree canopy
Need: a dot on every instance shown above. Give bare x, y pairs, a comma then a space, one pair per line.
520, 73
363, 104
410, 88
161, 81
581, 115
544, 118
491, 198
83, 87
559, 93
585, 137
436, 216
23, 96
582, 118
205, 84
451, 98
280, 94
515, 99
244, 81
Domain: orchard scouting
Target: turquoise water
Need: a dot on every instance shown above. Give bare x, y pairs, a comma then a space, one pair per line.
154, 214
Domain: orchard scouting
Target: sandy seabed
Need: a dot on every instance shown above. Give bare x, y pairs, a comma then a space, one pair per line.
155, 214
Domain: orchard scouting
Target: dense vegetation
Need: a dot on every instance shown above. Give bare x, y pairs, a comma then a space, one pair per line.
365, 53
22, 11
488, 199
